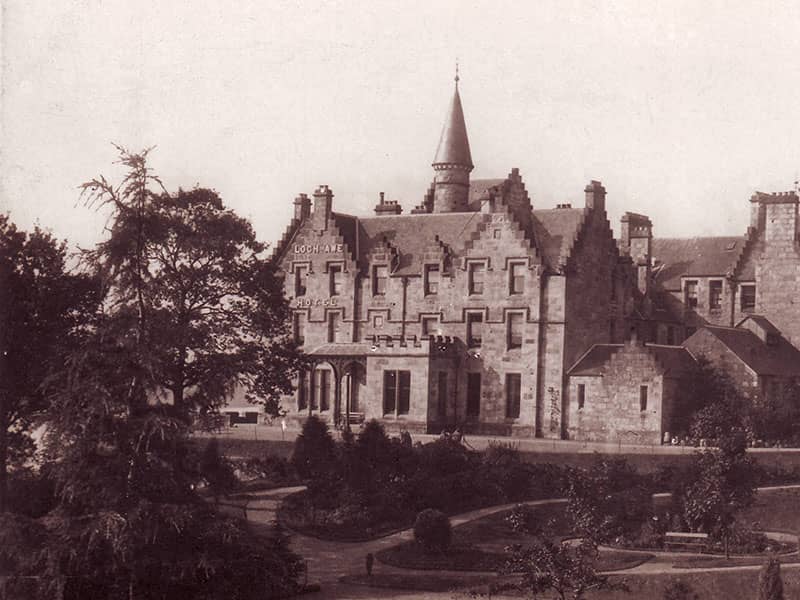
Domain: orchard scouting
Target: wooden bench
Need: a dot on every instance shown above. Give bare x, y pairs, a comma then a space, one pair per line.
680, 540
356, 418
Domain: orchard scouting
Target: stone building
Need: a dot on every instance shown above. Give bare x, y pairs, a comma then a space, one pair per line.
628, 393
758, 359
474, 308
469, 310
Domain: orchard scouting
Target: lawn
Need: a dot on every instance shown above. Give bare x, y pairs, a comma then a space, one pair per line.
775, 510
479, 546
401, 581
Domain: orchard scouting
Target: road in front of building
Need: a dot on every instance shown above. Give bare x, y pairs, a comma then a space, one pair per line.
478, 442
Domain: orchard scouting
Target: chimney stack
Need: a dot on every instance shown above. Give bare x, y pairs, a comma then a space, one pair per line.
387, 207
302, 207
595, 196
323, 204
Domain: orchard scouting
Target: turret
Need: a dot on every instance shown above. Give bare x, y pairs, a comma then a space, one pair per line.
453, 161
636, 241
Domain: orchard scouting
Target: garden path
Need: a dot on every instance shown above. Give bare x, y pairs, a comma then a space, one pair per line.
328, 561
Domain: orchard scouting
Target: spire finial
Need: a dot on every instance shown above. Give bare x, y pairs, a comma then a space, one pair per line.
457, 77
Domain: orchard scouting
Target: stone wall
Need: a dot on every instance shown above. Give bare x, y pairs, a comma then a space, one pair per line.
611, 410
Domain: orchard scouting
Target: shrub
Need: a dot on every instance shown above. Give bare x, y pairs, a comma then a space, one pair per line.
432, 530
770, 585
678, 590
216, 469
314, 450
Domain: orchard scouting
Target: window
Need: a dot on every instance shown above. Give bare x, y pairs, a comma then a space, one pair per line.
323, 389
473, 394
715, 295
476, 273
514, 333
670, 335
302, 392
430, 325
404, 393
612, 330
333, 326
516, 283
431, 279
513, 389
300, 280
690, 294
496, 234
335, 272
581, 395
299, 329
474, 330
441, 403
643, 397
396, 392
748, 297
380, 273
377, 322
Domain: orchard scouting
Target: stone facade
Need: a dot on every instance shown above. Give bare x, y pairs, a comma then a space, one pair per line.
625, 393
472, 309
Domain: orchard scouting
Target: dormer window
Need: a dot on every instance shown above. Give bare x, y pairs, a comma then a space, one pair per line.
431, 279
477, 272
380, 274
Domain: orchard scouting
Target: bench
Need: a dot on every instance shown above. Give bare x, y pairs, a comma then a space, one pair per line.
680, 540
355, 418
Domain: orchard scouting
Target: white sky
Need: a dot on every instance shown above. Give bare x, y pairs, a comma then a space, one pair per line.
682, 109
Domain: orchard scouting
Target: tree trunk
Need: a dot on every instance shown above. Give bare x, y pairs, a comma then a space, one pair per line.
3, 457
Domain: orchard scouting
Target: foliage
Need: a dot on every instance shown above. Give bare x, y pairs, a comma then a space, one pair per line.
678, 590
770, 584
432, 530
314, 449
716, 487
43, 307
564, 568
31, 493
209, 309
128, 522
216, 469
608, 501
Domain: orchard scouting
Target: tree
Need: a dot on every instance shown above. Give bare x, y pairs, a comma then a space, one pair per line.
42, 307
770, 584
720, 484
128, 521
314, 449
567, 569
607, 500
208, 307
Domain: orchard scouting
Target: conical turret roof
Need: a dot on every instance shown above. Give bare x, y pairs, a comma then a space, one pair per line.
454, 143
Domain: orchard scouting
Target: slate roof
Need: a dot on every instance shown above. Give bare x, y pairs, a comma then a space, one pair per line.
556, 230
685, 257
410, 234
673, 359
454, 144
780, 359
